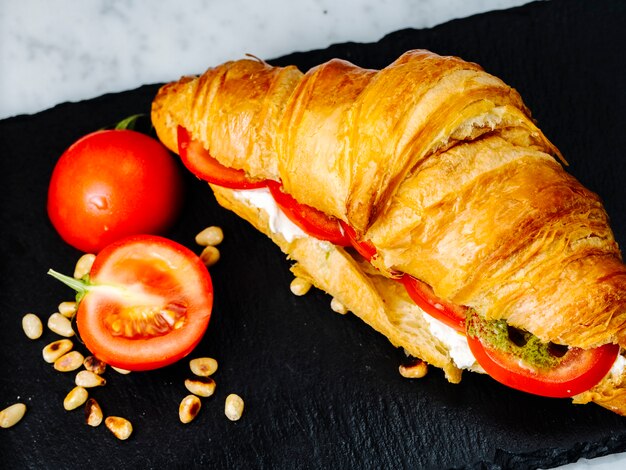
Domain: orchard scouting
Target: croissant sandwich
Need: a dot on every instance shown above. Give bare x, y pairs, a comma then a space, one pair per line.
424, 199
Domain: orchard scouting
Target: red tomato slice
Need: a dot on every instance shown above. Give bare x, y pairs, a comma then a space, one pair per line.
199, 161
364, 247
579, 370
312, 221
146, 305
422, 294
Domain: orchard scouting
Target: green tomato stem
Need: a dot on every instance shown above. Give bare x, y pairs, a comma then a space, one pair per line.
78, 285
128, 123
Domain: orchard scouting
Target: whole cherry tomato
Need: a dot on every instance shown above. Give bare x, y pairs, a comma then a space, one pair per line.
111, 184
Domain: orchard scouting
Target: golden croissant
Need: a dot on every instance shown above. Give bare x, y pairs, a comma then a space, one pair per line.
453, 202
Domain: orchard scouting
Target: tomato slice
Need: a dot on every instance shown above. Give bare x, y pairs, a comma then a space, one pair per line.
199, 161
578, 371
314, 222
364, 247
146, 305
422, 294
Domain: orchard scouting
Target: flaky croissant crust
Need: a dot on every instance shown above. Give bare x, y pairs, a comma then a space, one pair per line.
435, 161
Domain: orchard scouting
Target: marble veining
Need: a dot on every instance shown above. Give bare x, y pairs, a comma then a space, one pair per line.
51, 52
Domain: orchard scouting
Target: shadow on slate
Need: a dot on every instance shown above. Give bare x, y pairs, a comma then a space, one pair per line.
321, 390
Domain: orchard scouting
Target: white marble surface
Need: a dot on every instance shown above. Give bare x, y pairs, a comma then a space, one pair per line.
62, 50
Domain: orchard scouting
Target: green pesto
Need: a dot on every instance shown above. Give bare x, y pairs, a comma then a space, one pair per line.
495, 333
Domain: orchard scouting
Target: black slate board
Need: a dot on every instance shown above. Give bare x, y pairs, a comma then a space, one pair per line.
321, 390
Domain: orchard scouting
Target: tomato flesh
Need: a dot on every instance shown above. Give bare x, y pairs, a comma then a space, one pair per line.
364, 247
312, 221
199, 161
112, 184
578, 371
422, 294
148, 304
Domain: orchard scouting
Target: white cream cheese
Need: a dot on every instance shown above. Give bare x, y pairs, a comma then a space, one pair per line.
279, 223
618, 366
455, 342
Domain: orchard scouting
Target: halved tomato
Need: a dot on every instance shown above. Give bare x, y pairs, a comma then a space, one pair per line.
422, 294
577, 371
199, 161
146, 304
314, 222
364, 247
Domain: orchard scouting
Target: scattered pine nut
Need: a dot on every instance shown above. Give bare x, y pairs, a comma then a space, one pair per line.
210, 236
83, 265
93, 413
56, 349
233, 408
60, 325
201, 386
415, 370
32, 326
338, 307
88, 379
11, 415
203, 366
210, 255
120, 427
189, 408
74, 399
120, 371
67, 309
300, 286
69, 362
95, 365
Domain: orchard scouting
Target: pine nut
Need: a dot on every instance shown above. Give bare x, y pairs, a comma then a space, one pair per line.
120, 371
203, 366
201, 386
56, 349
32, 326
83, 265
74, 399
338, 307
414, 370
233, 409
88, 379
210, 255
300, 286
67, 309
210, 236
95, 365
11, 415
69, 362
189, 408
60, 325
93, 413
120, 427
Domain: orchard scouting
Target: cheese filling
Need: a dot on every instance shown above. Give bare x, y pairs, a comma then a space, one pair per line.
279, 223
455, 342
